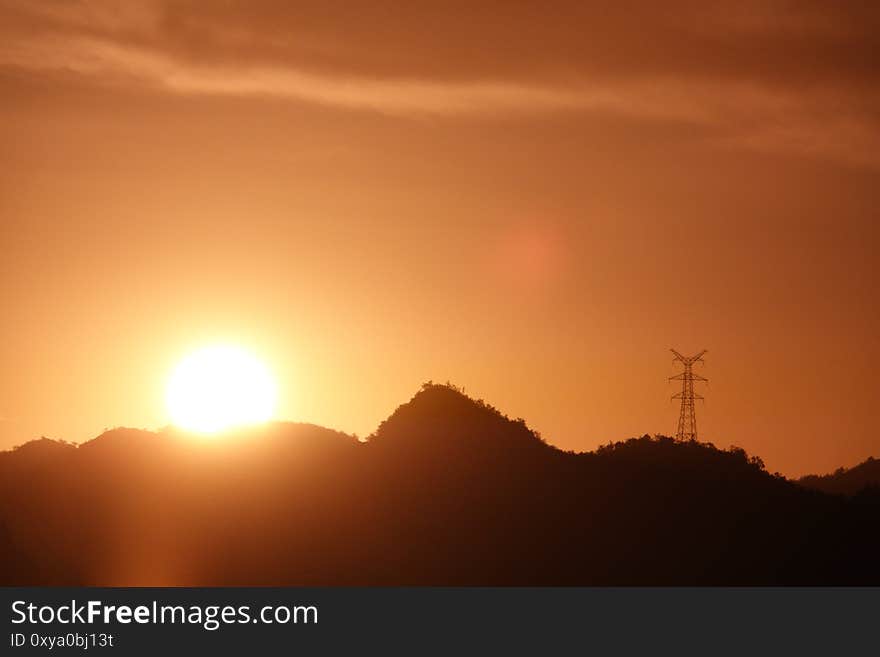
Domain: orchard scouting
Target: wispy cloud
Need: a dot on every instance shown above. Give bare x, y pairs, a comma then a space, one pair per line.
111, 43
119, 63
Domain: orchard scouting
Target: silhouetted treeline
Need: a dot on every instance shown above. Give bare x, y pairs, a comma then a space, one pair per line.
447, 491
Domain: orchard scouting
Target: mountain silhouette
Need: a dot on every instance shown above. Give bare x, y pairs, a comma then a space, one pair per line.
447, 491
862, 479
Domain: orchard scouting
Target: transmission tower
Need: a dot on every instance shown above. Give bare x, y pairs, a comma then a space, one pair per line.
687, 420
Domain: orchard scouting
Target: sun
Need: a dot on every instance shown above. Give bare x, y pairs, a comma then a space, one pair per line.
220, 387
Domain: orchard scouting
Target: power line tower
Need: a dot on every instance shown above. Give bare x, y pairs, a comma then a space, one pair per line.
687, 420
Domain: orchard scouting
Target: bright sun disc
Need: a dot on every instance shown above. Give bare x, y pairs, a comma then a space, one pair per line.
220, 387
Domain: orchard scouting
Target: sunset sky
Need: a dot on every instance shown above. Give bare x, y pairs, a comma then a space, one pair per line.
532, 200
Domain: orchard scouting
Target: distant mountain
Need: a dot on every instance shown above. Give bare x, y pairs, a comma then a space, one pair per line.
847, 481
448, 491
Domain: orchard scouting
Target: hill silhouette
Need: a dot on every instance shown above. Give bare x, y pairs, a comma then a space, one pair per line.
862, 479
447, 491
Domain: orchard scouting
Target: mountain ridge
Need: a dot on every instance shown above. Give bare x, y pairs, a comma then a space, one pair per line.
447, 491
847, 481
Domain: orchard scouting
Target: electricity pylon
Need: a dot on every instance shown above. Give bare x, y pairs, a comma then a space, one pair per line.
687, 420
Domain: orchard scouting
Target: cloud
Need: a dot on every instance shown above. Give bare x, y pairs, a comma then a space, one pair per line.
119, 63
758, 76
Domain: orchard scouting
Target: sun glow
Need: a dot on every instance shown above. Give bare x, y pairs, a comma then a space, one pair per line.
220, 387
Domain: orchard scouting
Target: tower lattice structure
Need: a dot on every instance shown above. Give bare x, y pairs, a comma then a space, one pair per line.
687, 419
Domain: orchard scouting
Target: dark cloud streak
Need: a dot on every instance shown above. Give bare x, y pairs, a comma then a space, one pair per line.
774, 75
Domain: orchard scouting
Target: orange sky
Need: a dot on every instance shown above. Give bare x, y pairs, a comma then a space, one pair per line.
532, 202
